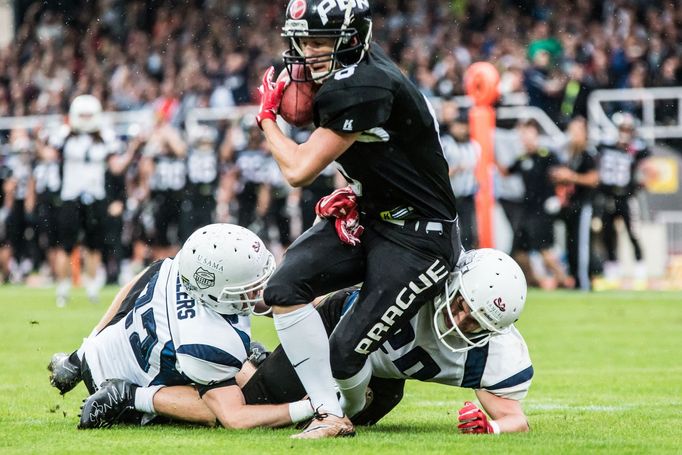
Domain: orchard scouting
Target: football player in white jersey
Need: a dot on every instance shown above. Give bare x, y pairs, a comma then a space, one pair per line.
85, 149
466, 338
184, 320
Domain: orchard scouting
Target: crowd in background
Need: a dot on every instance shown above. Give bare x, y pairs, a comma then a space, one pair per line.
134, 54
171, 57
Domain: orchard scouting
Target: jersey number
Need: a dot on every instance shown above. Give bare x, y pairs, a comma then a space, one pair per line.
416, 363
143, 348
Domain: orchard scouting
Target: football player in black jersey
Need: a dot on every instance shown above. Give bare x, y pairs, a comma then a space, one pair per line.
619, 167
383, 135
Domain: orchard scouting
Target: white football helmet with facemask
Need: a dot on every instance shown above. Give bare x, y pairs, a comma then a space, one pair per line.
493, 286
85, 114
225, 267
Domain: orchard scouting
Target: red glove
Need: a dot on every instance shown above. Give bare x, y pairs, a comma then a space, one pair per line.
472, 420
271, 93
342, 205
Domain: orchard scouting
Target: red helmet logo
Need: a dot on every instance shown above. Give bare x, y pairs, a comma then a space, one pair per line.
499, 304
297, 9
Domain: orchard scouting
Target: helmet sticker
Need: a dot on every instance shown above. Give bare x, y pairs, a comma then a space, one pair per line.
204, 278
499, 304
297, 9
256, 246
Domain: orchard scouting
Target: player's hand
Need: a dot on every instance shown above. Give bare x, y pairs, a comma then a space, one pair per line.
342, 205
271, 92
473, 420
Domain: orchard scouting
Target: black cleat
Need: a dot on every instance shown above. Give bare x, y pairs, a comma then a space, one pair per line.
105, 407
64, 374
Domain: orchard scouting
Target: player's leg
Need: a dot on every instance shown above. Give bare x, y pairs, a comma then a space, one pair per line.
406, 267
68, 227
629, 210
66, 369
386, 394
94, 215
316, 263
610, 239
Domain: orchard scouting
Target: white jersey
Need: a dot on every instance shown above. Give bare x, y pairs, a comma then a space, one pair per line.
84, 163
169, 339
502, 367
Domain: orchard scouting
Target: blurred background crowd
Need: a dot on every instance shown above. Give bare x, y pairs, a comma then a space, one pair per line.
170, 57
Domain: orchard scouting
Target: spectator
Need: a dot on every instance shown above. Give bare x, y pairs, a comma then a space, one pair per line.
576, 182
540, 206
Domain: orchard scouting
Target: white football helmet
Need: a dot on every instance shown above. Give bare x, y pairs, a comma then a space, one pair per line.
493, 286
85, 114
225, 266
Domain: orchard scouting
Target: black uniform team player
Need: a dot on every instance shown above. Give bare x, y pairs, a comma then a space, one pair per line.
383, 134
619, 163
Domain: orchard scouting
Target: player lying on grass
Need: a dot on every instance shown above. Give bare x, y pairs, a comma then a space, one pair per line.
465, 339
182, 321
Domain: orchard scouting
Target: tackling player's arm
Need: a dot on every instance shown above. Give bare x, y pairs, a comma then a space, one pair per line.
505, 412
116, 303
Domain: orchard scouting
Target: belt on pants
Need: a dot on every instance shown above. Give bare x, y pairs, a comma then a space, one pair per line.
425, 225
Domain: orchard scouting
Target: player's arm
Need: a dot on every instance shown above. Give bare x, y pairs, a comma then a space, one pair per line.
505, 412
231, 410
302, 163
116, 303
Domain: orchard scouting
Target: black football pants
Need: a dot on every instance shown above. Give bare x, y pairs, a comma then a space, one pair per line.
276, 381
401, 268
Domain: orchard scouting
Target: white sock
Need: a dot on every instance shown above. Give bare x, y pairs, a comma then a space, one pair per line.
353, 390
63, 287
305, 342
144, 398
640, 270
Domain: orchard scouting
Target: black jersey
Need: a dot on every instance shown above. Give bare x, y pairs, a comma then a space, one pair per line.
202, 171
5, 174
581, 163
534, 170
618, 167
396, 166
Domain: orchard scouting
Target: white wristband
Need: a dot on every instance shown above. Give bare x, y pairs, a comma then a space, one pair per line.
144, 398
495, 426
300, 410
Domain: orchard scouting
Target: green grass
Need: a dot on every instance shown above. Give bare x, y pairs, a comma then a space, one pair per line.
608, 378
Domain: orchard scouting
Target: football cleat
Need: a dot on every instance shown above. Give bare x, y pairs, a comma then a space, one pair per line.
64, 375
326, 425
105, 407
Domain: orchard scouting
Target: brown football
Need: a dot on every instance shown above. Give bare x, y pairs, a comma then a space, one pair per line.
296, 107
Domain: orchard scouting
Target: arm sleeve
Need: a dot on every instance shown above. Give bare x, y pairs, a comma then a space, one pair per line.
354, 109
508, 372
205, 364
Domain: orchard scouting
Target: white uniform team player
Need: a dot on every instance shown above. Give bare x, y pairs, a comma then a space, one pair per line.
183, 321
464, 339
86, 150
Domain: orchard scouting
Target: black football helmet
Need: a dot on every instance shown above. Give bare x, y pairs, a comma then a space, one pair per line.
348, 22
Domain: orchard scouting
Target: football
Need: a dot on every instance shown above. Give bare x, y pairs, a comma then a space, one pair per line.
296, 107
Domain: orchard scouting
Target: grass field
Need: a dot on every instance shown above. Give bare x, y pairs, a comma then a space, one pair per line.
608, 378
